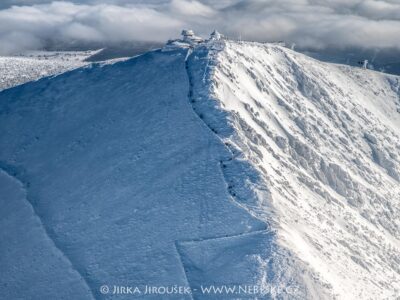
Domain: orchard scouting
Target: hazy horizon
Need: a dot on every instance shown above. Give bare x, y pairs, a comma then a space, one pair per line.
313, 24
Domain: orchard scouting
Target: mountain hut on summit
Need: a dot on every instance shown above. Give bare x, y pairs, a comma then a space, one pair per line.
189, 39
188, 36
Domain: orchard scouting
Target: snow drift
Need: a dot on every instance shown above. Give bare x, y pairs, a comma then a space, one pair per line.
225, 163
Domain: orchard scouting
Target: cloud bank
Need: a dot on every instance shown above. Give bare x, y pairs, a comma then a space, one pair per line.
314, 24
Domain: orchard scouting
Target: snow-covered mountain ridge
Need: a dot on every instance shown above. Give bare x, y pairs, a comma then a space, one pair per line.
216, 163
15, 70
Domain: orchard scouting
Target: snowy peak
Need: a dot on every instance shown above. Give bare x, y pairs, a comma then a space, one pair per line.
206, 162
119, 182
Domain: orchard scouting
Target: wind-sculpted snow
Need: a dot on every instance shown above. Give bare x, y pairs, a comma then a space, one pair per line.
223, 163
276, 275
325, 141
121, 171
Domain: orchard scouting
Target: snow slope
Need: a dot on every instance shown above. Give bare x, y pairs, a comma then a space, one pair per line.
226, 163
121, 178
325, 139
16, 70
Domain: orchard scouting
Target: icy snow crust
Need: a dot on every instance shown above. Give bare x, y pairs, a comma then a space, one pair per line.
222, 163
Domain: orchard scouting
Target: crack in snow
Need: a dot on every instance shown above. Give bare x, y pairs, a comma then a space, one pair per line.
222, 165
232, 157
18, 175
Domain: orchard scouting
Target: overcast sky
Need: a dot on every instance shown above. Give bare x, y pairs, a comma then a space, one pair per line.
30, 24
